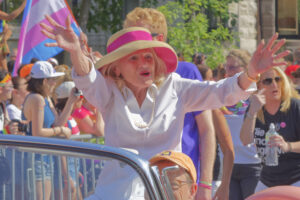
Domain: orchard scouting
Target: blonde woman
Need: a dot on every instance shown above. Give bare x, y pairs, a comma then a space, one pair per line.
282, 107
143, 103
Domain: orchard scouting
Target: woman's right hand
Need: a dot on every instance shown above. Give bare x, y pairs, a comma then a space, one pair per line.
64, 132
257, 101
65, 37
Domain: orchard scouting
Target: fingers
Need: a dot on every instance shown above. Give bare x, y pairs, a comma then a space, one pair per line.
271, 42
282, 54
262, 91
278, 46
274, 64
53, 22
46, 27
68, 22
260, 46
54, 44
48, 34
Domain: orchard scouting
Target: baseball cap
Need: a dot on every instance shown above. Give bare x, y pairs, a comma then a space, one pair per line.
43, 69
25, 70
53, 60
64, 89
178, 158
292, 68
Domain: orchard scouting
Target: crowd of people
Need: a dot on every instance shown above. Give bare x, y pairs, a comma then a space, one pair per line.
163, 107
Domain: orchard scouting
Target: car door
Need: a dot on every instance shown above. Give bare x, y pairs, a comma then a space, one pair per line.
46, 168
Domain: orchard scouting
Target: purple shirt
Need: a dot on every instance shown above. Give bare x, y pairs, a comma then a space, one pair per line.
190, 136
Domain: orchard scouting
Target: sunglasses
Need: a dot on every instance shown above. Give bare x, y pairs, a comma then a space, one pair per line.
268, 81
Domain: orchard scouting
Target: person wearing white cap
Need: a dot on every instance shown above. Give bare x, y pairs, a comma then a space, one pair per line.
43, 119
53, 61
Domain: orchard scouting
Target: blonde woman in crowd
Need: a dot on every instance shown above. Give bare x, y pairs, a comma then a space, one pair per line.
276, 102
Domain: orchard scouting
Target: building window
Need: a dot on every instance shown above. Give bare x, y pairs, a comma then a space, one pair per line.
287, 19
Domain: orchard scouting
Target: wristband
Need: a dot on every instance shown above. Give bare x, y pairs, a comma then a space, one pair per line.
256, 79
205, 186
205, 183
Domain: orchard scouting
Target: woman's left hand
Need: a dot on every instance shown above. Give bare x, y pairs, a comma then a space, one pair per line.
277, 140
265, 57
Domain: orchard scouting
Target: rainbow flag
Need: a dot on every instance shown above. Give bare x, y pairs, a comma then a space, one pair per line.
31, 40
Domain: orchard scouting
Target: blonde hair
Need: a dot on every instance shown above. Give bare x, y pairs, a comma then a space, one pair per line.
287, 92
159, 77
242, 56
149, 18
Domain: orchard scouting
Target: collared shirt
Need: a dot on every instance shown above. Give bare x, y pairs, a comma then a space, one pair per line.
168, 105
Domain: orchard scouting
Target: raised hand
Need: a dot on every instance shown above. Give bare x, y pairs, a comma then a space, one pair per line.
257, 101
265, 57
65, 37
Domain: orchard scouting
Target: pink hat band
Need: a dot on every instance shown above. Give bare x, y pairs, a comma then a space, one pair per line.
127, 38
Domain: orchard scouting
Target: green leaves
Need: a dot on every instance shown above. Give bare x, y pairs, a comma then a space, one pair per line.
199, 26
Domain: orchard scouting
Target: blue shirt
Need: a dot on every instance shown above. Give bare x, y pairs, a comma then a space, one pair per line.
190, 136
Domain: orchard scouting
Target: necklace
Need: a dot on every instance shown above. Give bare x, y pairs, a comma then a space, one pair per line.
142, 124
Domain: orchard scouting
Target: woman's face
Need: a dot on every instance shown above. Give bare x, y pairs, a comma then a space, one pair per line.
137, 69
49, 84
271, 82
22, 88
232, 67
5, 91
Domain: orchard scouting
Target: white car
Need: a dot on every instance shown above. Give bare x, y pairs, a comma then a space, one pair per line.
31, 165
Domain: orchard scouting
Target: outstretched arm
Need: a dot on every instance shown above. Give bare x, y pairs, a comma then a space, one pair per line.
13, 14
66, 39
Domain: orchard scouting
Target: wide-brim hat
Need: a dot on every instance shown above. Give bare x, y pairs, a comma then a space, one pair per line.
129, 40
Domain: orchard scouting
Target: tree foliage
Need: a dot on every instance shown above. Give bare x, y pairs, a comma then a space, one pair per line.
107, 14
199, 26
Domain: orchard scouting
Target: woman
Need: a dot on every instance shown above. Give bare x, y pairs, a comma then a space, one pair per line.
247, 167
282, 107
19, 93
89, 120
143, 103
43, 119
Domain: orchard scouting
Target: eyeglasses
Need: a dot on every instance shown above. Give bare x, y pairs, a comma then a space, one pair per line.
268, 81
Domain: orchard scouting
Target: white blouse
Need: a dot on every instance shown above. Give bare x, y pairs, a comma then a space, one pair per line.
163, 107
168, 105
